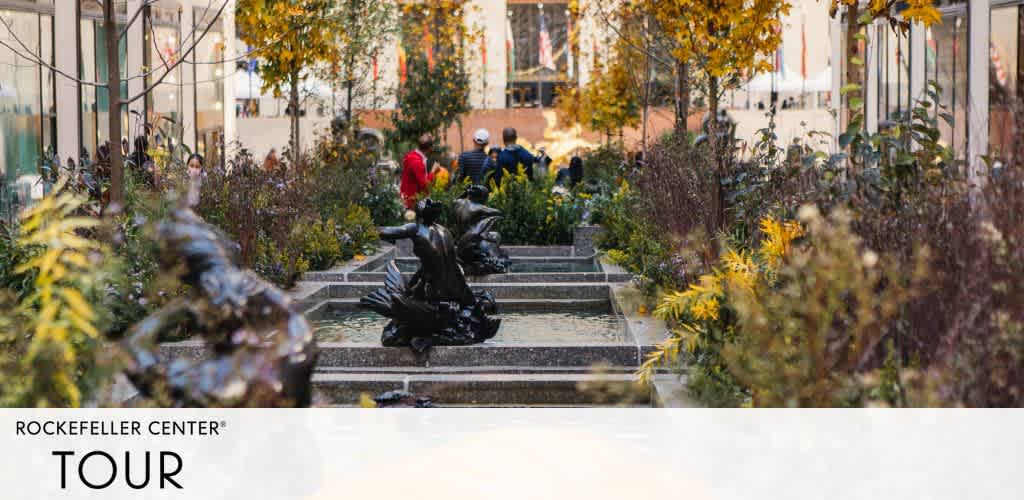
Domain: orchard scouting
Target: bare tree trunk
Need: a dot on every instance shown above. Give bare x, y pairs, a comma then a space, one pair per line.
643, 131
462, 146
645, 97
682, 95
293, 102
348, 105
116, 203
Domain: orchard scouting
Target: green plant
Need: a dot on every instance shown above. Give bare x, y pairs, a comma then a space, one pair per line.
383, 202
603, 167
321, 248
434, 89
636, 243
355, 230
13, 255
281, 265
52, 338
433, 97
803, 342
532, 213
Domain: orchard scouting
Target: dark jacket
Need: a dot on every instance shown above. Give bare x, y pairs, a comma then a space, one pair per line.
473, 164
510, 157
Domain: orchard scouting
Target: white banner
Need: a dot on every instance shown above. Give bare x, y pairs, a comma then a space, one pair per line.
511, 454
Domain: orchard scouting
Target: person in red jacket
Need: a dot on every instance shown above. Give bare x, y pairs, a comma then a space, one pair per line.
415, 177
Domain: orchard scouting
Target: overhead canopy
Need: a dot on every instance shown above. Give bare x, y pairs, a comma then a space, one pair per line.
7, 90
250, 89
822, 82
788, 80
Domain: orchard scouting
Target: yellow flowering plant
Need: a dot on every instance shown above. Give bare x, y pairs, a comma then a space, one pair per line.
50, 340
702, 317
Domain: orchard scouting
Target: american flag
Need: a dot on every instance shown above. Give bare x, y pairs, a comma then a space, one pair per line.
546, 59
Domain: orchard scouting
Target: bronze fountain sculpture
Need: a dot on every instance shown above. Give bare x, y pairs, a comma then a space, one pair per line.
436, 306
479, 247
263, 352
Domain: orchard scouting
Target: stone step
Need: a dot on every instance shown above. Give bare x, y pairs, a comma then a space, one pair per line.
472, 356
473, 389
345, 355
455, 370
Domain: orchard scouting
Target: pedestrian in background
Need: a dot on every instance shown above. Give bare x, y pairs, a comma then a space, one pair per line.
473, 163
513, 155
195, 179
415, 177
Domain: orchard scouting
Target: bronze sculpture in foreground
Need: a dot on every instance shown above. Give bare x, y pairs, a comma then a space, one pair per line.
479, 246
436, 306
262, 352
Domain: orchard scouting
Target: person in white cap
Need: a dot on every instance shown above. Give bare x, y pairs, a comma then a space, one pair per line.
473, 163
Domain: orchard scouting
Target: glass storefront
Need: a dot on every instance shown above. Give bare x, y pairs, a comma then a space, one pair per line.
209, 78
530, 82
164, 103
892, 53
23, 99
28, 107
946, 64
1004, 74
87, 71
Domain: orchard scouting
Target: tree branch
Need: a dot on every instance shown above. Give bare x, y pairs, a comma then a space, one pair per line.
34, 58
177, 63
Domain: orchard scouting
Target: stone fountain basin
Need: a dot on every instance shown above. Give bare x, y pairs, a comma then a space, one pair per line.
524, 321
529, 265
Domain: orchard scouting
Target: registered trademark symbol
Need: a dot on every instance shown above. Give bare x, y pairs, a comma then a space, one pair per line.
223, 423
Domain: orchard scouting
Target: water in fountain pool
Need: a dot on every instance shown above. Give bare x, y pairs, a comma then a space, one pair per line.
539, 327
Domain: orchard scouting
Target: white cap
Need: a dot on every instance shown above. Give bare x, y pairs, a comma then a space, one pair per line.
481, 136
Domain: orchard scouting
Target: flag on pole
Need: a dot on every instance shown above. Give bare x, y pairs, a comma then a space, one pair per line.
483, 64
546, 59
483, 51
429, 43
375, 68
510, 48
803, 48
568, 46
402, 70
780, 63
997, 65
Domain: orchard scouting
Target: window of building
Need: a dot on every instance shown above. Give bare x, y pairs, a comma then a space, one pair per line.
946, 63
209, 78
892, 52
48, 78
1004, 77
20, 109
163, 104
87, 71
539, 60
102, 97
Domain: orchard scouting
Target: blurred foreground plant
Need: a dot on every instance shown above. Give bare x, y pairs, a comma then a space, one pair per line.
51, 338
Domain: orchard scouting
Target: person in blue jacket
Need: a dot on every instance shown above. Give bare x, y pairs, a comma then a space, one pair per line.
513, 155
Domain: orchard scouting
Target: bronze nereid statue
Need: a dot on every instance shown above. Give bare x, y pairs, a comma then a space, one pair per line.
480, 246
262, 350
436, 306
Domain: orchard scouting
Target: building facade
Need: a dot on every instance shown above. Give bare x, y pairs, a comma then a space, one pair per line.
53, 70
524, 59
973, 55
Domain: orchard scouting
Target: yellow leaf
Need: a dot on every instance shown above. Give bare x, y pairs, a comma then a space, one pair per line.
81, 323
77, 303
